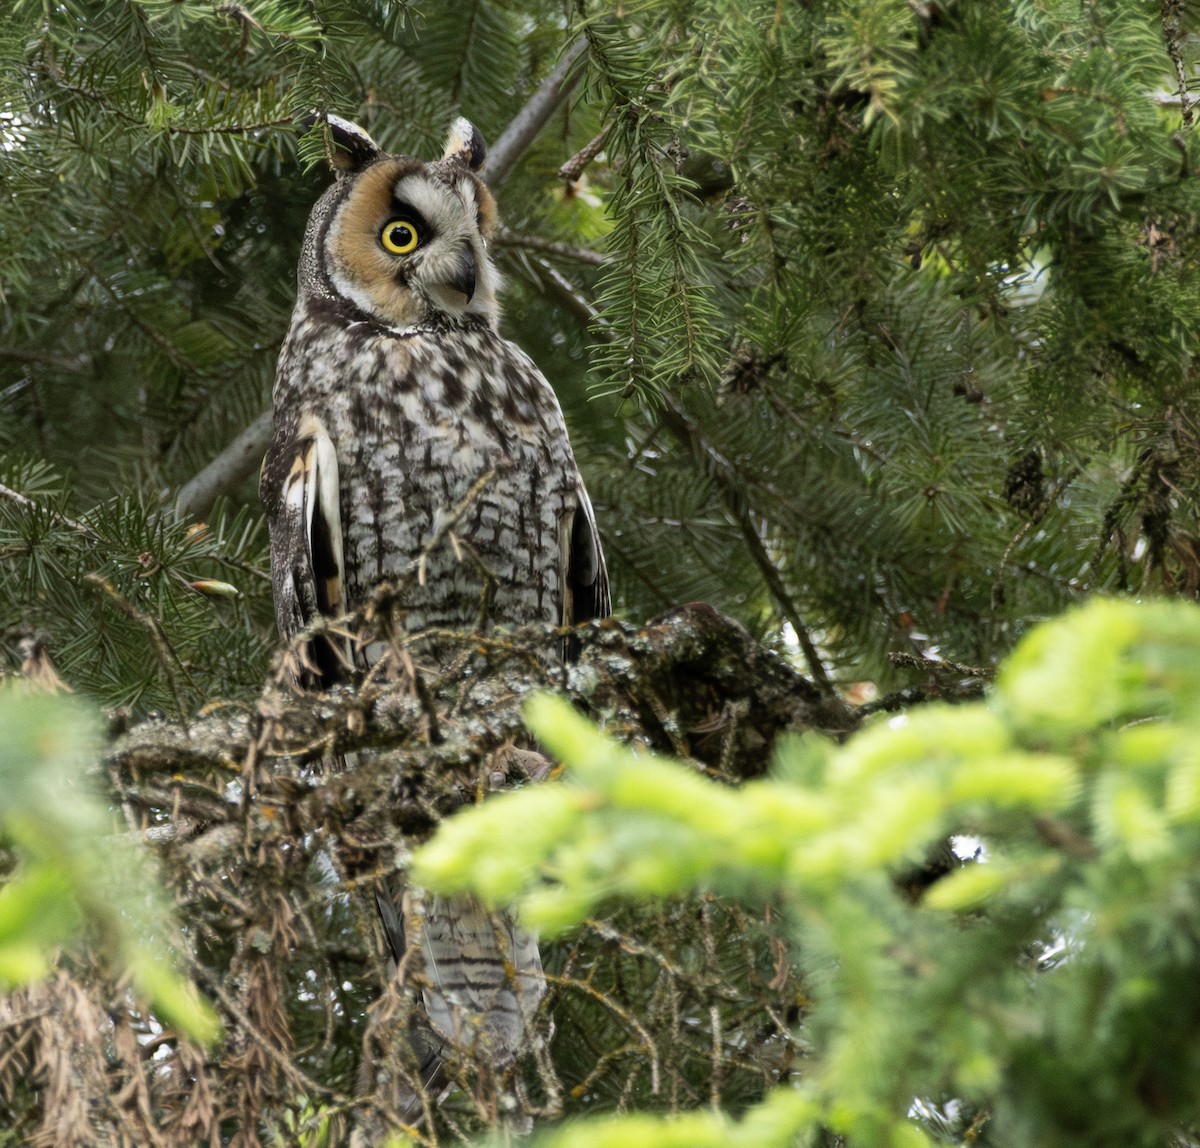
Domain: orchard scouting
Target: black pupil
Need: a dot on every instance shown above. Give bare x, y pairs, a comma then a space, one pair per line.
402, 235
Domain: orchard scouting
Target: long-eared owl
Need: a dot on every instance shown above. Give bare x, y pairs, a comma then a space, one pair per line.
395, 396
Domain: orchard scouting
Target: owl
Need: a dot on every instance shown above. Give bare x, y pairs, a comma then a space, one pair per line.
399, 408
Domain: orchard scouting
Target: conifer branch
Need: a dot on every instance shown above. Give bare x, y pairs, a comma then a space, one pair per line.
167, 656
31, 504
281, 1060
575, 166
719, 468
572, 299
227, 471
506, 238
1173, 12
67, 363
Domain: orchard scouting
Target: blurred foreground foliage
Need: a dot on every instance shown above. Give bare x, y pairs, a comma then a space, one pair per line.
71, 879
1045, 992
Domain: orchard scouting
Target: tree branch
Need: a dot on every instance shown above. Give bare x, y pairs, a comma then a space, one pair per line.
227, 471
31, 504
286, 881
692, 662
514, 141
506, 238
733, 495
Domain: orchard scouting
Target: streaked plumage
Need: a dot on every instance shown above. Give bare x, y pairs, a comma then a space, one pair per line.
395, 394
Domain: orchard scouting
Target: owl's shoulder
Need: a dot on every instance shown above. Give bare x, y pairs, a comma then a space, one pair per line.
527, 387
334, 348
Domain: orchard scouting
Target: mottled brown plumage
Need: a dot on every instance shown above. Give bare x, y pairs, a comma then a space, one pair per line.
395, 395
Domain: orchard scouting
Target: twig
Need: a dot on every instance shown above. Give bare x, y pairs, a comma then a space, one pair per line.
506, 238
783, 599
75, 364
623, 1013
997, 595
306, 1083
1172, 28
1059, 835
573, 299
573, 168
721, 469
177, 357
162, 644
416, 568
1049, 500
936, 666
712, 965
32, 504
25, 1018
111, 108
633, 947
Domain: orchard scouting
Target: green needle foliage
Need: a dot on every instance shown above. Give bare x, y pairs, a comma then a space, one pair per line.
874, 321
139, 609
875, 326
1049, 988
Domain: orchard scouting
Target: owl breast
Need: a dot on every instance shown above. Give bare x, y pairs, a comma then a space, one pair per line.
417, 418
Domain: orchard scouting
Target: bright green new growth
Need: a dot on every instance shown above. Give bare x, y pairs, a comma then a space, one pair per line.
75, 877
1081, 778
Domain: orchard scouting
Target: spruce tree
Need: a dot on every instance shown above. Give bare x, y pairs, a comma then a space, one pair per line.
874, 323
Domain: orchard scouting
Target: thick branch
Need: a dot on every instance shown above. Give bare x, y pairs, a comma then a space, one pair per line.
227, 471
529, 121
692, 680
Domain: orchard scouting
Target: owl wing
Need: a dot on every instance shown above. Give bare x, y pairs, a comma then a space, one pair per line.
301, 492
584, 580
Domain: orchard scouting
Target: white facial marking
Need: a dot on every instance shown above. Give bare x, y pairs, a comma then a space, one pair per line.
349, 289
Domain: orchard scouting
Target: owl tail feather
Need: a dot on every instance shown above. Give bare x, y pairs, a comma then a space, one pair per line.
482, 979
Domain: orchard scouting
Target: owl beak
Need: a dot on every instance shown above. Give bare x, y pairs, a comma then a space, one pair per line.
463, 278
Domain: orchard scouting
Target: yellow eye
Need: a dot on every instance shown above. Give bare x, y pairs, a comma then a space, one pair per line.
399, 236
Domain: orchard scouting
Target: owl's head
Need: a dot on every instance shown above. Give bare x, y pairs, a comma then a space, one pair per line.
403, 240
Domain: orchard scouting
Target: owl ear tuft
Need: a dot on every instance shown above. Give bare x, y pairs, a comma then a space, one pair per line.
350, 147
465, 144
